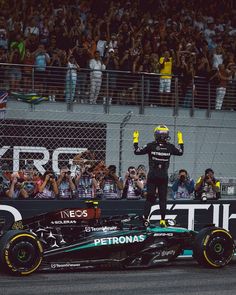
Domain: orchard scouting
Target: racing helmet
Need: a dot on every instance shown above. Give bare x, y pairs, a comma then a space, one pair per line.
161, 133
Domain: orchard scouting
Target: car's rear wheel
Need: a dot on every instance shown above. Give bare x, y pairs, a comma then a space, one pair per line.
213, 247
20, 252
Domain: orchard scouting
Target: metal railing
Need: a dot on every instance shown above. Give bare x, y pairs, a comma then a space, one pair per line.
33, 84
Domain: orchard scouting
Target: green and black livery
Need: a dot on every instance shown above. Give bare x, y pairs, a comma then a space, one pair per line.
73, 239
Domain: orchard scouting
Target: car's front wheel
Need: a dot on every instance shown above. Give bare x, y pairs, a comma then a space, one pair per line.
213, 247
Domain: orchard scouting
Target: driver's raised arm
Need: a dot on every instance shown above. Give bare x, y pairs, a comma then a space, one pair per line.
138, 150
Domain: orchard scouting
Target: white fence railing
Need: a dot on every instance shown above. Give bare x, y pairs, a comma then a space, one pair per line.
32, 84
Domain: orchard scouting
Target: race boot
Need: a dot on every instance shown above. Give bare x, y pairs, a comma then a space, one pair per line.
163, 223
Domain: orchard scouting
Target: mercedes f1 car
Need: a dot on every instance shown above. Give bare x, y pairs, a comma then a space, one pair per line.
81, 238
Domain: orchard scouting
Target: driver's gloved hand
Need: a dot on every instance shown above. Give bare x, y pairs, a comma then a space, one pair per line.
135, 136
180, 137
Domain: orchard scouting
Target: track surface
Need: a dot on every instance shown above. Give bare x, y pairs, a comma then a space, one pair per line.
180, 277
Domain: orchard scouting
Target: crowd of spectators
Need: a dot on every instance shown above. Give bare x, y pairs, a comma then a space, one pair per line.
207, 187
135, 36
87, 178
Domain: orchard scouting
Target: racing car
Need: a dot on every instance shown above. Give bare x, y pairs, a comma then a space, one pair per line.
82, 238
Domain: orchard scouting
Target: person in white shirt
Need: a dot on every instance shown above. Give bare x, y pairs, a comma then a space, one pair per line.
217, 58
112, 43
199, 23
101, 45
97, 66
32, 28
209, 32
71, 77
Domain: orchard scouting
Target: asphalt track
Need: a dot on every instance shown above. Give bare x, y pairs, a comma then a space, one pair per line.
180, 277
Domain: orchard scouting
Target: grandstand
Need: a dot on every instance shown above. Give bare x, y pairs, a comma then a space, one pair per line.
40, 46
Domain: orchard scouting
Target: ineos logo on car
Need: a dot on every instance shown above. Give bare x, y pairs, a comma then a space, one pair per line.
73, 214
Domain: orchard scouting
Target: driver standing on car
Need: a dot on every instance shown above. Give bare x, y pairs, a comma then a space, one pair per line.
159, 153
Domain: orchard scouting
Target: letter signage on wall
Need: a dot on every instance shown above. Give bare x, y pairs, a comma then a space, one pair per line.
49, 143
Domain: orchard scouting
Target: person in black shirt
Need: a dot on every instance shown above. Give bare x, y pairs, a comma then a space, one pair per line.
112, 65
82, 58
159, 153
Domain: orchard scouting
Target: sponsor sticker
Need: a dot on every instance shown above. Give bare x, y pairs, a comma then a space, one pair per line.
159, 260
167, 253
63, 222
65, 265
163, 235
160, 255
77, 213
119, 240
100, 228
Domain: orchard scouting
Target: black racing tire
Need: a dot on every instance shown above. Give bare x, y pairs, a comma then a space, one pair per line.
213, 247
20, 252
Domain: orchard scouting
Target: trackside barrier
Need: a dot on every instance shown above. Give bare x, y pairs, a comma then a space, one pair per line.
192, 215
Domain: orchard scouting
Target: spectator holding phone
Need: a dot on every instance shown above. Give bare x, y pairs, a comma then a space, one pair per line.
16, 189
85, 182
183, 187
133, 185
207, 186
66, 186
5, 178
47, 186
29, 176
112, 184
142, 175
